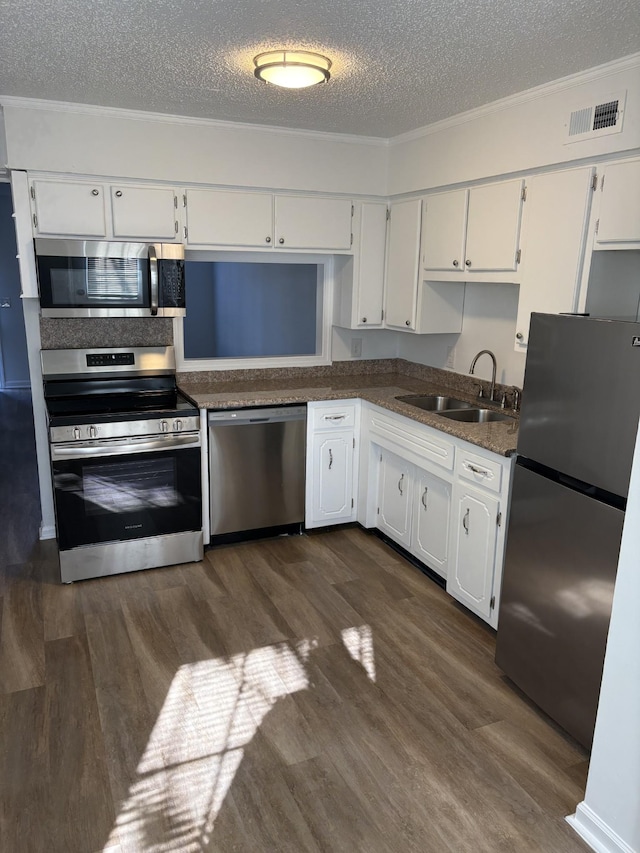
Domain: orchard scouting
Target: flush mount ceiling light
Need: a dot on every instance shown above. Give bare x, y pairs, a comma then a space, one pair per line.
292, 69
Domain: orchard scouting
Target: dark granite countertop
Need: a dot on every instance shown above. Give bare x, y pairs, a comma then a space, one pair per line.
273, 388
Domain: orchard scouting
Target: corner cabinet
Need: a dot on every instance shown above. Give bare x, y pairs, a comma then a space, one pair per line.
259, 220
554, 240
360, 277
442, 499
331, 463
104, 211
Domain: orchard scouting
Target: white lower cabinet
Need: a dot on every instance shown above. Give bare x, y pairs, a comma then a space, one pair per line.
473, 540
430, 529
331, 464
395, 497
441, 498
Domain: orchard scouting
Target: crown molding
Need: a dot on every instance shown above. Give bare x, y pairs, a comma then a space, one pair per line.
165, 118
563, 84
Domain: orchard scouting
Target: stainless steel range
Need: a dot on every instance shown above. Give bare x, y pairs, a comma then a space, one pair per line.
126, 461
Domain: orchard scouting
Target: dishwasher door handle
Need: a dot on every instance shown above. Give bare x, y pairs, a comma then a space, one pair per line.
259, 420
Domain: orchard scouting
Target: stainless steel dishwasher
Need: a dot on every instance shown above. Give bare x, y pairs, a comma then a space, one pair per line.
256, 468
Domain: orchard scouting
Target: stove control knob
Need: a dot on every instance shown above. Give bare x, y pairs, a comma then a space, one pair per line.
164, 426
93, 432
177, 425
76, 433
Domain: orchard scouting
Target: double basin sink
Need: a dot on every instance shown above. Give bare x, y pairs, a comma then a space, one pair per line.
455, 410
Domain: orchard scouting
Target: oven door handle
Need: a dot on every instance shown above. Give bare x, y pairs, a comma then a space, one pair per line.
122, 446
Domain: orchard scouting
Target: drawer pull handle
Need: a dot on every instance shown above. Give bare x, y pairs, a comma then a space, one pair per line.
424, 498
477, 470
400, 484
334, 417
330, 459
465, 522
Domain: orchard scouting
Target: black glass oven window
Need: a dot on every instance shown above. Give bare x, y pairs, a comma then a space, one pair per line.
130, 487
138, 495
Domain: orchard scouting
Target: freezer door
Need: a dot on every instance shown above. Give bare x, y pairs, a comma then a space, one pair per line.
560, 568
581, 398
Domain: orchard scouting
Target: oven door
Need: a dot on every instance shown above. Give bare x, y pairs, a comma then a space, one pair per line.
126, 489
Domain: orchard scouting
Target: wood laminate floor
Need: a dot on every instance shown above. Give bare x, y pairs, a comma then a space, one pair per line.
314, 693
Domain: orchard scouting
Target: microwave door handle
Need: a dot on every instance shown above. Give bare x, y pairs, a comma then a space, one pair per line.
153, 277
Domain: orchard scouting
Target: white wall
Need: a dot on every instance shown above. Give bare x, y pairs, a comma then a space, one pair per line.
379, 343
489, 322
125, 144
518, 134
609, 816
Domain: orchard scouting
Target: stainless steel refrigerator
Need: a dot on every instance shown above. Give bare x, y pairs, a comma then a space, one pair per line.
579, 419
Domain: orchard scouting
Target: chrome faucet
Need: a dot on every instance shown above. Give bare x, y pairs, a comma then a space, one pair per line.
493, 375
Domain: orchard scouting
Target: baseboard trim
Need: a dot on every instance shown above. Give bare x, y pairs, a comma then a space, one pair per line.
597, 834
47, 531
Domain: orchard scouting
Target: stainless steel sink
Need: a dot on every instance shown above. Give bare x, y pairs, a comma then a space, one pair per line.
434, 403
477, 416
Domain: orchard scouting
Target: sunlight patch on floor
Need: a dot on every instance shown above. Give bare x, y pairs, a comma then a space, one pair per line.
359, 643
211, 713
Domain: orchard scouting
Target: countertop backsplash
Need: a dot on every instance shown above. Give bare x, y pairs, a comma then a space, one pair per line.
76, 333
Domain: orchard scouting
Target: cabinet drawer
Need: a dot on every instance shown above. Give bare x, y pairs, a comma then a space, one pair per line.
333, 417
415, 442
476, 469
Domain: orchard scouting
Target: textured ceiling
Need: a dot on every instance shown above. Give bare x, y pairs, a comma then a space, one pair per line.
397, 65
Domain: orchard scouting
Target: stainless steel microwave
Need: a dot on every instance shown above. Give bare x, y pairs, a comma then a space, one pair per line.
87, 278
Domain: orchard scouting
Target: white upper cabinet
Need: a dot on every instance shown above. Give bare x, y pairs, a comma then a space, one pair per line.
68, 209
445, 222
619, 207
144, 213
369, 264
473, 234
256, 220
113, 211
312, 223
403, 264
219, 218
553, 245
493, 227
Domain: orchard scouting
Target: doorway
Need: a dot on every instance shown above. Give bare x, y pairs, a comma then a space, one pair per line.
14, 365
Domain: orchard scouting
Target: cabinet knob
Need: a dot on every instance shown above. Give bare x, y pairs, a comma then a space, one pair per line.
467, 263
456, 263
95, 192
118, 193
519, 336
407, 322
364, 319
267, 239
281, 240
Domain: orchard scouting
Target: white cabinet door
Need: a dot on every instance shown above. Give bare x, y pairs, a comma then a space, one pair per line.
493, 226
553, 244
332, 477
403, 264
68, 209
619, 212
218, 218
369, 264
430, 533
474, 527
312, 223
395, 493
145, 213
443, 236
